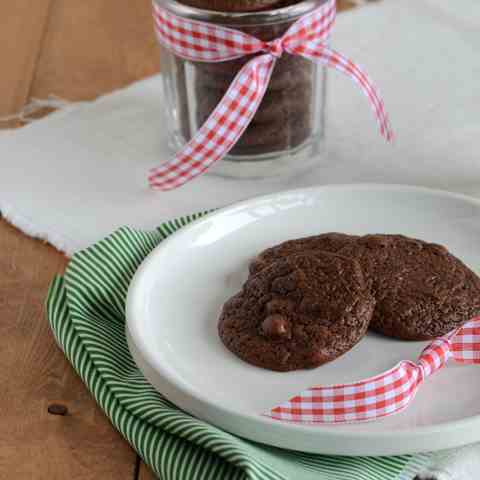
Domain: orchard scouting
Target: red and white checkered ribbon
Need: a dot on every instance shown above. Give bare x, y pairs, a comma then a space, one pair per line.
204, 42
385, 394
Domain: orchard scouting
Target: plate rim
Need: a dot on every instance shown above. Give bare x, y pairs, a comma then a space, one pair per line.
136, 342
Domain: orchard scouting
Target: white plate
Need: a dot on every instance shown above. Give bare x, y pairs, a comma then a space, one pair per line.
175, 298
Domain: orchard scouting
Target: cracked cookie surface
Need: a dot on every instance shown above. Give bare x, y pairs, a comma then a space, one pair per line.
325, 242
298, 312
422, 290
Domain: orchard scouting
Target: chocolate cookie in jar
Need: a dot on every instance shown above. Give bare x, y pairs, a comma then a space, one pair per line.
286, 132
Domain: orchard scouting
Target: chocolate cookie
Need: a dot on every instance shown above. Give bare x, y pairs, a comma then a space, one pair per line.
299, 312
285, 118
289, 71
299, 79
238, 5
263, 137
422, 291
327, 242
276, 108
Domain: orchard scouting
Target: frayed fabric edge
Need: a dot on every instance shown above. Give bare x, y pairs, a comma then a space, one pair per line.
36, 105
28, 227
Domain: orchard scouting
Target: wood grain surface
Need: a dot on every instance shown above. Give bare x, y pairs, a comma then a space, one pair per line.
34, 375
92, 47
76, 50
21, 35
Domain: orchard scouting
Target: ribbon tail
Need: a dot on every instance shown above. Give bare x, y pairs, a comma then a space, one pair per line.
380, 396
221, 130
387, 393
330, 58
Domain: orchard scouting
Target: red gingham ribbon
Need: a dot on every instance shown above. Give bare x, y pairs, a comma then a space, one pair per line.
204, 42
385, 394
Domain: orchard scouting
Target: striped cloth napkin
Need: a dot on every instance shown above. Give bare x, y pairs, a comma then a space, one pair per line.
86, 313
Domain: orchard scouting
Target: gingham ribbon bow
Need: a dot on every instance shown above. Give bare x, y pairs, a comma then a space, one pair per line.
204, 42
385, 394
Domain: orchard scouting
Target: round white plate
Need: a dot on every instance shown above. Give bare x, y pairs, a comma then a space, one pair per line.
176, 296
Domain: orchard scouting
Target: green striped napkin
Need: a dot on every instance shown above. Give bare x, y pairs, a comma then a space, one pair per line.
86, 312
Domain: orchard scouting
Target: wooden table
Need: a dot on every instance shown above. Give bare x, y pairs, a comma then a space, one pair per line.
75, 50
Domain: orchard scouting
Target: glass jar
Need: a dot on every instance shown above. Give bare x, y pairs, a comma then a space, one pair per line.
286, 133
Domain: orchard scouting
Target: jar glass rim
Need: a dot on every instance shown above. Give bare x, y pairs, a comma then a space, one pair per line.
263, 17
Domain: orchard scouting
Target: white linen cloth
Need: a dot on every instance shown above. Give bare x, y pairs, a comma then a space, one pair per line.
457, 464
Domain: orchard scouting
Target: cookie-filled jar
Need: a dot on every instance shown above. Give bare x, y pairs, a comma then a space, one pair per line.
285, 134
